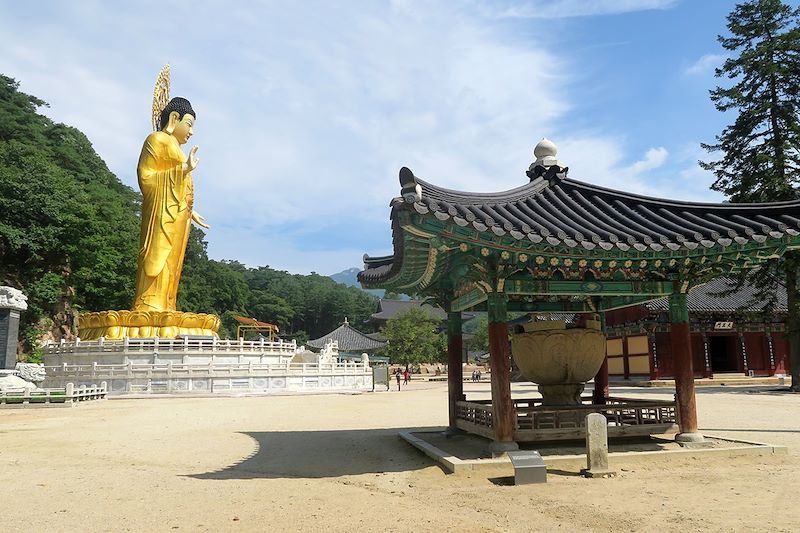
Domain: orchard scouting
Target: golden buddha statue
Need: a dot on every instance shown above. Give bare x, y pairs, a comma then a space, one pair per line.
165, 179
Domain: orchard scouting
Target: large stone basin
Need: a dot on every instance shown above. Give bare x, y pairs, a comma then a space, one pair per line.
560, 361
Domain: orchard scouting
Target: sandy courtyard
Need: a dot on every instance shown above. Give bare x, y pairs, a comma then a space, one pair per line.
335, 463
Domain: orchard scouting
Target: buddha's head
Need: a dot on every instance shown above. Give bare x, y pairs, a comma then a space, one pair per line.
178, 118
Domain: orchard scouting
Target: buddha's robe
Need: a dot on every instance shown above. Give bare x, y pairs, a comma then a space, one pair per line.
167, 198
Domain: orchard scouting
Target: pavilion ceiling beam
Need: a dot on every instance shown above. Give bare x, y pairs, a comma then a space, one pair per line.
550, 307
578, 288
467, 301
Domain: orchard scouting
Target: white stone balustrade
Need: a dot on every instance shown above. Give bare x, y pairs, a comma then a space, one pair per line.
199, 366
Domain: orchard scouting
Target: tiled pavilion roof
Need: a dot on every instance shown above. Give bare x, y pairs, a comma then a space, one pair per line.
576, 214
349, 340
560, 218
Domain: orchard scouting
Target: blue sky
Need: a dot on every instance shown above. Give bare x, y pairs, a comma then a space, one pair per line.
307, 110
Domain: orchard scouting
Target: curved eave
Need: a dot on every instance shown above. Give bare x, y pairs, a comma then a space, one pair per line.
415, 265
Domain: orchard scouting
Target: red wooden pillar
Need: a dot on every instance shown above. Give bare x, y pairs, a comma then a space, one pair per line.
600, 392
455, 370
681, 344
504, 417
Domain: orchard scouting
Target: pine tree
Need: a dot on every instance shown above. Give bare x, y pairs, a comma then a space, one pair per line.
761, 149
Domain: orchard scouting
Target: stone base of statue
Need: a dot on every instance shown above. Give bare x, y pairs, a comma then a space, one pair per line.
115, 325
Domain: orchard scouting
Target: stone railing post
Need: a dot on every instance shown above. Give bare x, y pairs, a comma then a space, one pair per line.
12, 303
597, 446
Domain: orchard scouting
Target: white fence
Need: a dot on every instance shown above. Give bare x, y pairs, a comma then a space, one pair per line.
66, 396
168, 346
155, 365
215, 377
157, 350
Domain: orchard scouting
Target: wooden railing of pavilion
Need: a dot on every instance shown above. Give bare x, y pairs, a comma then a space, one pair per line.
537, 422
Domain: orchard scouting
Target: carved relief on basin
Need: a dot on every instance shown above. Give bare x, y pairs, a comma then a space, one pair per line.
560, 361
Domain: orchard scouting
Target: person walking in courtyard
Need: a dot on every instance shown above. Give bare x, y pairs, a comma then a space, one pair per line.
406, 377
397, 376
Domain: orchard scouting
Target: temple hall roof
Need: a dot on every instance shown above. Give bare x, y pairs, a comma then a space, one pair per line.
388, 309
706, 298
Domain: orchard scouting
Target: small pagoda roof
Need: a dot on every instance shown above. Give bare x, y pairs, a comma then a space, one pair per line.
706, 298
349, 339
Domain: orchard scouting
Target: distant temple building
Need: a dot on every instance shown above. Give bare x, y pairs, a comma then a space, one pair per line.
388, 309
728, 335
351, 342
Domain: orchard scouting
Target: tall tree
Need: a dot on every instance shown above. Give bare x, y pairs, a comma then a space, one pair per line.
761, 150
68, 227
413, 338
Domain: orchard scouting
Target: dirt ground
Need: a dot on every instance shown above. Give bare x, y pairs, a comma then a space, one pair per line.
335, 463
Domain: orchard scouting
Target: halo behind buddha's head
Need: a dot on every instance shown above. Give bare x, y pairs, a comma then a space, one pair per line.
181, 105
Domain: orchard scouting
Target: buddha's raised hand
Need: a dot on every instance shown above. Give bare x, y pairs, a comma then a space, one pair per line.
191, 162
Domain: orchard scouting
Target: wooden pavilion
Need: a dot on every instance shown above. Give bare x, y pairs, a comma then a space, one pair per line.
561, 245
350, 342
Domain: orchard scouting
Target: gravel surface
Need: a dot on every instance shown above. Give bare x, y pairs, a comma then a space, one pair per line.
335, 463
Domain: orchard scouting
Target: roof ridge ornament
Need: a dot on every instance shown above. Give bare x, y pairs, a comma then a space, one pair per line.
411, 191
546, 163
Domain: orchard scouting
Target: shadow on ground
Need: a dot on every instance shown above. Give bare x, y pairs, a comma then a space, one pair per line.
507, 481
323, 454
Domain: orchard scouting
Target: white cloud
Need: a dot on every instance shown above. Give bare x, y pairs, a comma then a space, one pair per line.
553, 9
601, 161
304, 121
653, 158
705, 65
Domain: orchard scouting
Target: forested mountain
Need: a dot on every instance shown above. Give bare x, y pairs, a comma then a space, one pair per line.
69, 232
349, 277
